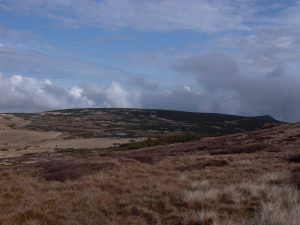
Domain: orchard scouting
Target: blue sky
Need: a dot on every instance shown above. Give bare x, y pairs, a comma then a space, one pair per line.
229, 56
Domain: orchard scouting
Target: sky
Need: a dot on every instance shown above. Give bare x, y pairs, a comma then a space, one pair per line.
223, 56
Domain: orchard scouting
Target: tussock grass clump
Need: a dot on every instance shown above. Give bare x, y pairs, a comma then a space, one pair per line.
281, 206
271, 200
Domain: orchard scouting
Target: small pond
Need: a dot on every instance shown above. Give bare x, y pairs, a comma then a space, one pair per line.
121, 134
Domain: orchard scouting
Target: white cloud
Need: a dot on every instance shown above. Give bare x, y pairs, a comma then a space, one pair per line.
187, 88
76, 92
48, 82
119, 97
18, 93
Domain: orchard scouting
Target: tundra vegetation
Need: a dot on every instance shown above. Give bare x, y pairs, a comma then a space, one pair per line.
248, 178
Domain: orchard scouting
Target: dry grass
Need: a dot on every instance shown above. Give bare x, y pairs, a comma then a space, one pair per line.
171, 185
128, 192
282, 206
273, 202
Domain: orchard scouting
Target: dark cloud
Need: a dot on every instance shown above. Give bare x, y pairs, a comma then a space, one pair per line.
276, 93
214, 71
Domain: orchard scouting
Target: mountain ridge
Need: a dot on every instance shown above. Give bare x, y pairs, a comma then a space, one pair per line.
110, 122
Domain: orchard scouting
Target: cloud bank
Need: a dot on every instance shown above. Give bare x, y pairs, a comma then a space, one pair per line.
26, 94
232, 95
227, 88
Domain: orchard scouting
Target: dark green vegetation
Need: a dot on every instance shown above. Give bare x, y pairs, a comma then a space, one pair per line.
133, 123
171, 139
81, 152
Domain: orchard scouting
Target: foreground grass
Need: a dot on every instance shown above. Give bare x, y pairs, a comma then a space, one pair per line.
245, 179
271, 204
128, 192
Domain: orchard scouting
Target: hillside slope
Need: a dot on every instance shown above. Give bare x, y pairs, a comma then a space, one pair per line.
141, 122
79, 129
248, 178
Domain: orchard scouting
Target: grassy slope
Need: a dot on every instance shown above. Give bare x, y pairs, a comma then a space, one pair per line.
240, 179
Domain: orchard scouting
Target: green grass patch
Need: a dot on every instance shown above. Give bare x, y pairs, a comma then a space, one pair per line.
12, 126
73, 151
150, 142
